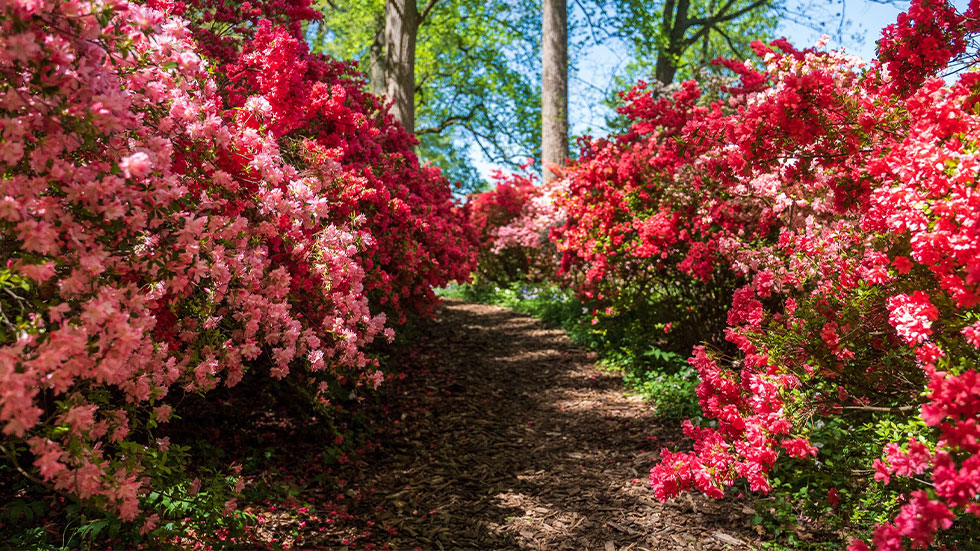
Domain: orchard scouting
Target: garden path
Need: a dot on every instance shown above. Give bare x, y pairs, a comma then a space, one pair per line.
508, 437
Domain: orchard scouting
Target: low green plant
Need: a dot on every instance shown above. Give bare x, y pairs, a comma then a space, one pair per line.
659, 376
666, 379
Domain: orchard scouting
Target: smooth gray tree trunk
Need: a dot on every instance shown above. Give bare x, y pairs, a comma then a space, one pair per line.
554, 85
376, 72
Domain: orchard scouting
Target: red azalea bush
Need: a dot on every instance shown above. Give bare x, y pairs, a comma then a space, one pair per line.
843, 204
642, 228
164, 231
490, 212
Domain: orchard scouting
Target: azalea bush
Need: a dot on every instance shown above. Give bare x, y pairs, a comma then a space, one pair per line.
321, 113
641, 231
825, 212
513, 222
166, 228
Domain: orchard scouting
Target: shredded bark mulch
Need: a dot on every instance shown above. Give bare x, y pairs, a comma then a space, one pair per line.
507, 436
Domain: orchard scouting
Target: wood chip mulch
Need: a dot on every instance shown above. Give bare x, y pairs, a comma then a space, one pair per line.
507, 436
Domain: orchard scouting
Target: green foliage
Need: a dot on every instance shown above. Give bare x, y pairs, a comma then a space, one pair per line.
477, 76
659, 376
19, 300
348, 28
448, 151
38, 518
666, 379
800, 519
641, 24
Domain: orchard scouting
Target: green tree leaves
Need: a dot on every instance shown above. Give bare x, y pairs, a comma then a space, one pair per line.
476, 75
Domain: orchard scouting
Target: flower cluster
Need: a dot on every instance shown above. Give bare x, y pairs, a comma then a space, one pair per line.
540, 213
162, 233
513, 222
319, 108
841, 201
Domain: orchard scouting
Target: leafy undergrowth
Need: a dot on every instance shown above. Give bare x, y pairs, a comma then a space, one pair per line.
293, 464
660, 376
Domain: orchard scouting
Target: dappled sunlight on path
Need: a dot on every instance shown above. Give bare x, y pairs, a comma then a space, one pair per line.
507, 436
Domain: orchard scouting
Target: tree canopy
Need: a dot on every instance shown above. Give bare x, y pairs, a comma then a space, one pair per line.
477, 75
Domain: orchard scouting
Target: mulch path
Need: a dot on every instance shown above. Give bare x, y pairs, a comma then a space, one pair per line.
506, 436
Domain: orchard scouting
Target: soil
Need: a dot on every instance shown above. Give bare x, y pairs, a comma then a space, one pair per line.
506, 436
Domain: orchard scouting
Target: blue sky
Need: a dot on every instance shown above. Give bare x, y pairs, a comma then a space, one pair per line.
862, 23
597, 67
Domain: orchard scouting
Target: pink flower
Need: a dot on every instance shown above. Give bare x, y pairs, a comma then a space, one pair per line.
912, 316
136, 165
882, 472
48, 457
162, 413
917, 460
972, 334
150, 524
799, 447
745, 308
764, 282
81, 418
38, 272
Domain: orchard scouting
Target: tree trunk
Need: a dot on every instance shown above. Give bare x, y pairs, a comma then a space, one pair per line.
666, 67
376, 71
554, 85
675, 25
401, 30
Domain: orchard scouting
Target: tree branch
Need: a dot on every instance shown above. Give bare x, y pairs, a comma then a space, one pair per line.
721, 16
588, 21
453, 120
425, 12
730, 42
703, 21
897, 409
711, 23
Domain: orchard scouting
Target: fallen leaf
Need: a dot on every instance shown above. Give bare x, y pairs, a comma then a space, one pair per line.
723, 537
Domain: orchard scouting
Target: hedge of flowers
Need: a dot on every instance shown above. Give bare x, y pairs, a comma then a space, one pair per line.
174, 213
512, 222
827, 212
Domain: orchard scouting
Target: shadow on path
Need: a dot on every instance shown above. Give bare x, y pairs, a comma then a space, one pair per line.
508, 437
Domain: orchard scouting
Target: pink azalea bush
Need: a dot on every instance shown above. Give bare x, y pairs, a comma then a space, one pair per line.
491, 210
513, 223
160, 236
540, 213
318, 108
